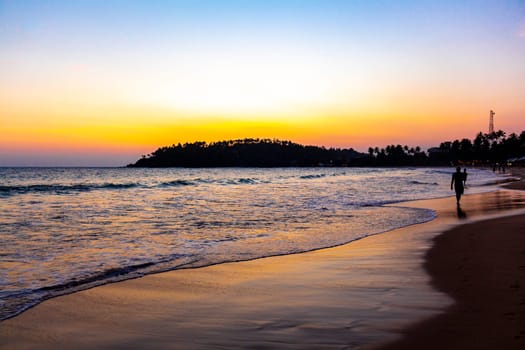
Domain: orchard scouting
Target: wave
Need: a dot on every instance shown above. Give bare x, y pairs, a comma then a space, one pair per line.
315, 176
6, 191
196, 182
176, 183
374, 204
61, 189
246, 181
415, 182
10, 190
103, 276
17, 302
500, 181
441, 171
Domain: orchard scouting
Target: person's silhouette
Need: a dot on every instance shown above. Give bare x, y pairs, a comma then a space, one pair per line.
457, 183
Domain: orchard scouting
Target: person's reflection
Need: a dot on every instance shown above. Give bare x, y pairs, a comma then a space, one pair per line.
461, 213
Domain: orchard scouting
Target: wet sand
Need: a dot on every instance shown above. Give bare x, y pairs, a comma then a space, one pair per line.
482, 267
353, 296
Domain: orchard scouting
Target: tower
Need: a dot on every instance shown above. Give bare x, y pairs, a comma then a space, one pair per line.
491, 122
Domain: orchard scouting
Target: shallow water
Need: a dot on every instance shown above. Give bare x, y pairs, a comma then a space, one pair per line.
66, 229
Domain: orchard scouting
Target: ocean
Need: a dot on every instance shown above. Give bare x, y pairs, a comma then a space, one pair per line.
68, 229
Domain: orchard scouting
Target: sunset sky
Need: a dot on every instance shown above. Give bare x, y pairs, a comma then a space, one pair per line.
102, 82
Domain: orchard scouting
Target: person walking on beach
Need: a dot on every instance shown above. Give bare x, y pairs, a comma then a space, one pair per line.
465, 177
457, 183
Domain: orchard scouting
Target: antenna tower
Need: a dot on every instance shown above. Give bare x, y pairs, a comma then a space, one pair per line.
491, 122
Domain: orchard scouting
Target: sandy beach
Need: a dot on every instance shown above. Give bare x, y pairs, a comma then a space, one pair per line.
482, 266
361, 295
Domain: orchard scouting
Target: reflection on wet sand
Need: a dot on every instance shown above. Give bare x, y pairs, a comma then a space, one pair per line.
461, 213
475, 205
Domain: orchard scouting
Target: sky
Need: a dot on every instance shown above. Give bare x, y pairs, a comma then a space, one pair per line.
100, 83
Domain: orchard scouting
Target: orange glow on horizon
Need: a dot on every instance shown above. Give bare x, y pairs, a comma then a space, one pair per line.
145, 134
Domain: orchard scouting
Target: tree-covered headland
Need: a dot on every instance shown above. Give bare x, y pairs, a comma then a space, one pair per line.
484, 149
247, 153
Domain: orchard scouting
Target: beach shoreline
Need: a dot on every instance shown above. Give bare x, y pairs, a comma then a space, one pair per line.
309, 300
481, 265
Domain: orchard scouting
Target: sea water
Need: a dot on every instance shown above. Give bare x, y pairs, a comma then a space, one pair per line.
67, 229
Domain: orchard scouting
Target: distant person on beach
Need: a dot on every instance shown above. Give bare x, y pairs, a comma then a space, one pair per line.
465, 177
457, 183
